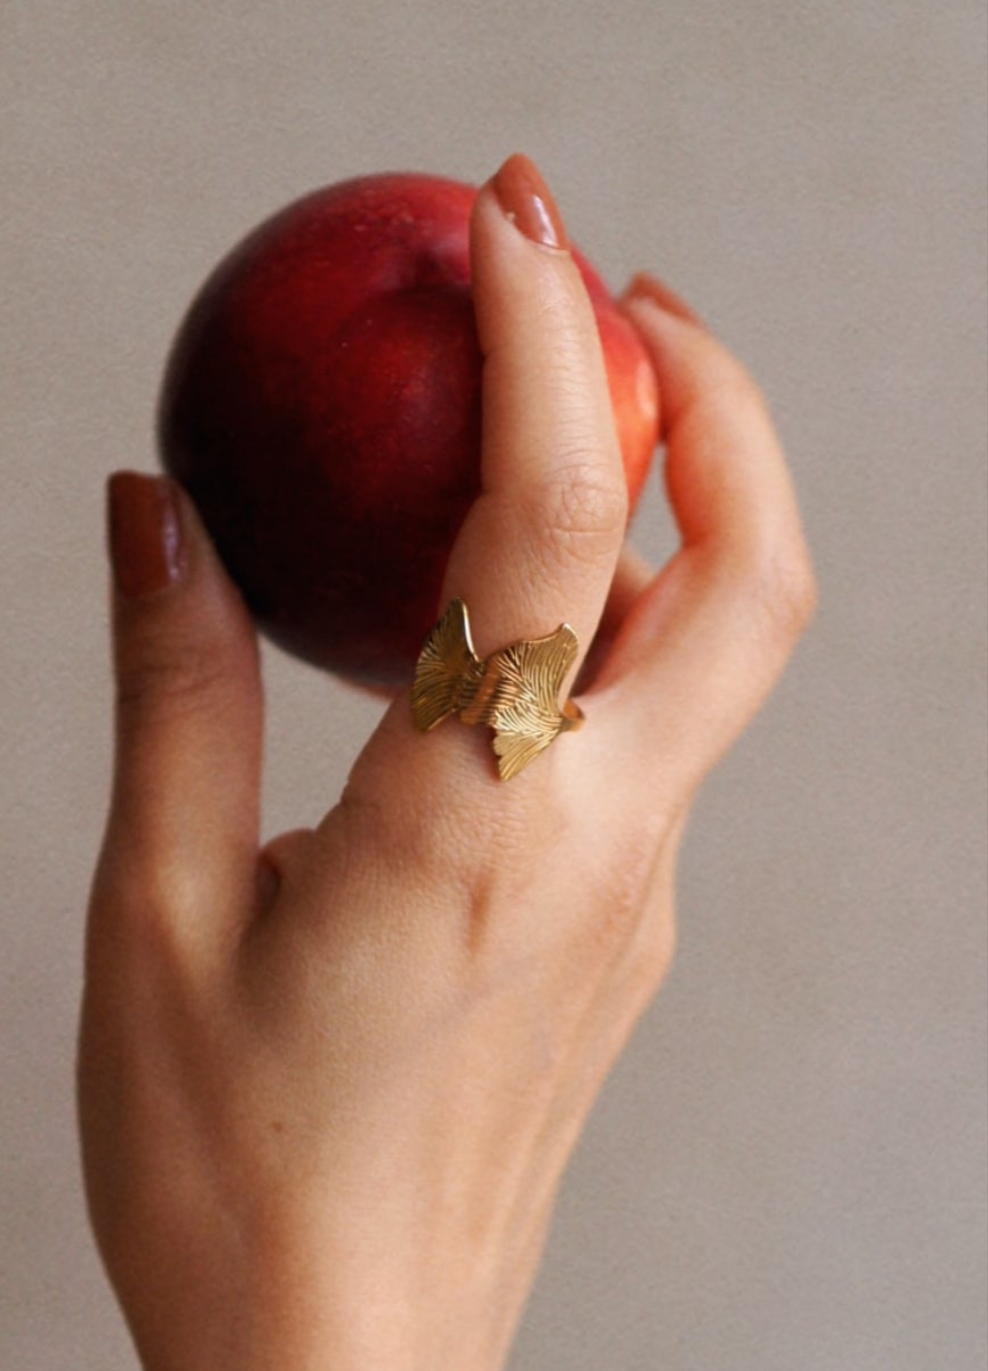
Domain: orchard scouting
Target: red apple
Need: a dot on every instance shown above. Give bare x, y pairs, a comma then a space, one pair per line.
322, 407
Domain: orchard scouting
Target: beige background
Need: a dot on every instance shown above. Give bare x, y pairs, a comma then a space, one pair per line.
786, 1170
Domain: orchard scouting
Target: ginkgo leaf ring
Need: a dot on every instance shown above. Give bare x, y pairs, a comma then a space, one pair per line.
514, 691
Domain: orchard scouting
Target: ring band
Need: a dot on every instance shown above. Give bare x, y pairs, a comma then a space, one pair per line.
514, 690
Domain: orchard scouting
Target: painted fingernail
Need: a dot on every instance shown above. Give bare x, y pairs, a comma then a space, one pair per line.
647, 287
147, 549
527, 201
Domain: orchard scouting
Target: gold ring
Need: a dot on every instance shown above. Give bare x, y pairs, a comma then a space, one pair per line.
514, 690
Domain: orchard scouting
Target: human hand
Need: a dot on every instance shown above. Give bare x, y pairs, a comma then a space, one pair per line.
328, 1088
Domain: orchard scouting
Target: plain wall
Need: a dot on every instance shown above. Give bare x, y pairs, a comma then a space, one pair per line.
786, 1170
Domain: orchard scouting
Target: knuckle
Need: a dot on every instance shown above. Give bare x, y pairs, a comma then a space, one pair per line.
176, 674
785, 593
582, 508
649, 956
615, 901
148, 917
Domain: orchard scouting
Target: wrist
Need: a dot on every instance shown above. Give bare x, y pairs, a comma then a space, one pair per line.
316, 1329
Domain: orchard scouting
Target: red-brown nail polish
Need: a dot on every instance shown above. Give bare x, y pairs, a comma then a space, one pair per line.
527, 201
145, 529
647, 287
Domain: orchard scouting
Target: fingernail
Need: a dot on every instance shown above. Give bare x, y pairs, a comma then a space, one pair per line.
527, 201
646, 287
145, 530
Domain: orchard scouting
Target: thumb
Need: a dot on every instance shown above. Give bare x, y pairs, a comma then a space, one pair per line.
184, 813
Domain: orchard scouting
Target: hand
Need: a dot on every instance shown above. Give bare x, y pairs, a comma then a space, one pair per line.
328, 1089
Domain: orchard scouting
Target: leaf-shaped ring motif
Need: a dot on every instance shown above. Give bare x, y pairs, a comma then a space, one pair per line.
514, 691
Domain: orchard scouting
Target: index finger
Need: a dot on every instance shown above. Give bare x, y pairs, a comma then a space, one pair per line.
538, 549
541, 543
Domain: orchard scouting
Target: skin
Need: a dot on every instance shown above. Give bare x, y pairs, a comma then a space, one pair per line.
328, 1087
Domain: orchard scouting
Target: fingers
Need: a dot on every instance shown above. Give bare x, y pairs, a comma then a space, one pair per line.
183, 825
541, 543
632, 575
651, 288
701, 648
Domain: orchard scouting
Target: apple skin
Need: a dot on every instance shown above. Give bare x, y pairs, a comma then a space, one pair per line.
321, 405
